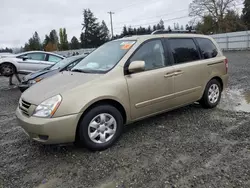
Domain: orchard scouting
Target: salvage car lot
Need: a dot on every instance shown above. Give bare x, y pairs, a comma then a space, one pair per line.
188, 147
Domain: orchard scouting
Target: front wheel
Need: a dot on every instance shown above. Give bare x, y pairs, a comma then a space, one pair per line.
100, 127
212, 94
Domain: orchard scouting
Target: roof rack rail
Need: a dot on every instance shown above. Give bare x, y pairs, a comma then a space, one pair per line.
172, 31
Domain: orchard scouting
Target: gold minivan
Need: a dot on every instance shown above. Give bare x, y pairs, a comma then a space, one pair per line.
121, 82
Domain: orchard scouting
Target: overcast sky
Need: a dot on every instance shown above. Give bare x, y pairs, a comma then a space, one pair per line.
21, 18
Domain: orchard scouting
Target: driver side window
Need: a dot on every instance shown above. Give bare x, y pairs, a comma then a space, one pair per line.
152, 53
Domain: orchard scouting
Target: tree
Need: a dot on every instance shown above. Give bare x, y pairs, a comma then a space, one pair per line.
149, 30
54, 37
206, 26
182, 28
64, 44
9, 50
104, 33
161, 24
124, 31
246, 13
233, 22
74, 43
91, 30
33, 43
215, 8
176, 26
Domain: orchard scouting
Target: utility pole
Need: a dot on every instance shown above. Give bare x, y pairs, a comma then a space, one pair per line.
111, 22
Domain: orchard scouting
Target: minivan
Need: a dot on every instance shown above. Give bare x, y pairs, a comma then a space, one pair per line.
121, 82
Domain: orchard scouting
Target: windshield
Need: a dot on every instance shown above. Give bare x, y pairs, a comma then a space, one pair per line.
105, 57
62, 63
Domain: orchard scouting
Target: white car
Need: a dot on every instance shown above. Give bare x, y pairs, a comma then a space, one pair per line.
27, 62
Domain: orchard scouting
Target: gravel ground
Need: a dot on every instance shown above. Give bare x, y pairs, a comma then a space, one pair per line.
188, 147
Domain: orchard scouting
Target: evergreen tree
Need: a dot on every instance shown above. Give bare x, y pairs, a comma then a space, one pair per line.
124, 31
74, 43
161, 24
104, 33
34, 43
246, 13
91, 30
149, 30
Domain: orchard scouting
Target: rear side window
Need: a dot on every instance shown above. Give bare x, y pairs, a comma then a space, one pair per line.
208, 49
183, 50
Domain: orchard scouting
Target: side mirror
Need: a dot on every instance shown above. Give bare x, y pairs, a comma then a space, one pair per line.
25, 57
136, 66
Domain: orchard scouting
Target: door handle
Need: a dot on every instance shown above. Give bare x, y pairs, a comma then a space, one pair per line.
178, 72
169, 74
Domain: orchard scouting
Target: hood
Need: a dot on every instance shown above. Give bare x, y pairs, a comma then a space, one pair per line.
41, 73
7, 55
55, 85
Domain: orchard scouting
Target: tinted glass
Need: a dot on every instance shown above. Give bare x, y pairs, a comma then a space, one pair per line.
105, 57
53, 58
152, 53
184, 50
207, 47
36, 56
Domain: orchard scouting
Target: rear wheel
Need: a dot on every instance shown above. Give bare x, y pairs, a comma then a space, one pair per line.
100, 127
7, 69
212, 94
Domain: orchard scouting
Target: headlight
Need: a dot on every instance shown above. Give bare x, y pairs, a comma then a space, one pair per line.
48, 107
35, 81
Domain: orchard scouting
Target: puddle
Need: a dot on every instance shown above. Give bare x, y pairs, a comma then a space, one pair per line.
235, 100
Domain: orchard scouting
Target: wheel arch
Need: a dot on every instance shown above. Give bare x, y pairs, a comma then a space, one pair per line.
111, 102
9, 62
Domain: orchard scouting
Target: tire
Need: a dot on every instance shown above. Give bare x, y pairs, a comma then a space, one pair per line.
7, 69
212, 94
98, 122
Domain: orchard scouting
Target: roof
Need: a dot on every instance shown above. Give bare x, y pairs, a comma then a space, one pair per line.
41, 52
168, 35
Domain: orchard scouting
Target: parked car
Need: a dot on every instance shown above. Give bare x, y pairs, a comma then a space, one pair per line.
27, 62
33, 78
121, 82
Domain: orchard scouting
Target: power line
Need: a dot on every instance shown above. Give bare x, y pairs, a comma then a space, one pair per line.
155, 22
158, 16
166, 20
123, 8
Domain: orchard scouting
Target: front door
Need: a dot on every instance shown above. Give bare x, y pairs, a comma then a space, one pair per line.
34, 62
150, 91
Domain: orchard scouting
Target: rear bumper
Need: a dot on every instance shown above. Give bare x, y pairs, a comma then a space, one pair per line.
225, 81
49, 130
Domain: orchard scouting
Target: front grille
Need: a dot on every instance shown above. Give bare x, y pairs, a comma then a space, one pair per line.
24, 107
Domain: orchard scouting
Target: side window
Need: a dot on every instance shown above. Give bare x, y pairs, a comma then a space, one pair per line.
208, 49
152, 53
53, 58
36, 56
184, 50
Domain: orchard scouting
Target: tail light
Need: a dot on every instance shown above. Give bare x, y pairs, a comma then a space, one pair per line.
226, 64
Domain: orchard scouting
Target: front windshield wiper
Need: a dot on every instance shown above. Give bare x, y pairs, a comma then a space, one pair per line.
80, 70
87, 71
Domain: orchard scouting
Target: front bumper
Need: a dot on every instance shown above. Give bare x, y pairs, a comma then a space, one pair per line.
23, 87
49, 130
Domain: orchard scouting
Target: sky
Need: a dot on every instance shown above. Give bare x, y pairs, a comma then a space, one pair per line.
19, 19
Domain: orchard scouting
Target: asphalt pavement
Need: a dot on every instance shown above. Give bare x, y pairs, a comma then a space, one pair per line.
188, 147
